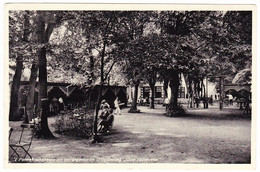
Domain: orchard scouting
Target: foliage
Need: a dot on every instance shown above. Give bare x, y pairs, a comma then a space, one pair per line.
200, 37
229, 49
175, 111
144, 44
117, 77
243, 77
19, 44
210, 43
69, 49
76, 123
21, 40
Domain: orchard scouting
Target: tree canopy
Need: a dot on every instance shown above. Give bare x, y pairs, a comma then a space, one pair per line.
83, 47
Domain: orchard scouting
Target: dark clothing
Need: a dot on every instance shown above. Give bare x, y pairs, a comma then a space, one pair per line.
55, 106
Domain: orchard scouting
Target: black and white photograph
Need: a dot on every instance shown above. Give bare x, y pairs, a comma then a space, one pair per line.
126, 84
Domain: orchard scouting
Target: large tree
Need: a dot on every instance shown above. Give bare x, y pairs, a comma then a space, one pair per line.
19, 48
46, 21
102, 27
136, 25
219, 49
144, 59
44, 29
44, 24
180, 25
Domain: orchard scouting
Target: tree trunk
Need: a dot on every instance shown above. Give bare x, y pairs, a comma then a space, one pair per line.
31, 92
221, 93
43, 97
133, 108
189, 89
43, 35
26, 39
42, 75
174, 109
201, 88
26, 30
191, 92
165, 87
91, 68
174, 85
14, 105
152, 86
205, 99
197, 92
204, 88
97, 139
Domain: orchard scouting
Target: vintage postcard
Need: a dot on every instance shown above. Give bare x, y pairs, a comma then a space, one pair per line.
137, 86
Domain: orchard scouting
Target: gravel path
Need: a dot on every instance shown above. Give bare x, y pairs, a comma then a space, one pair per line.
206, 136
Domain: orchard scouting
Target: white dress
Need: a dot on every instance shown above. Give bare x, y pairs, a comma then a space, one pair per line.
118, 111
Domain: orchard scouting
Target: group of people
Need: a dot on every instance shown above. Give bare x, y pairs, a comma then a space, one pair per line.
143, 101
105, 106
106, 116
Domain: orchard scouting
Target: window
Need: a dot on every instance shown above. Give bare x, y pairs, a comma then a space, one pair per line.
158, 92
146, 92
181, 92
147, 89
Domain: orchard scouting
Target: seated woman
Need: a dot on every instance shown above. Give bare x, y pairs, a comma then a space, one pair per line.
104, 106
106, 117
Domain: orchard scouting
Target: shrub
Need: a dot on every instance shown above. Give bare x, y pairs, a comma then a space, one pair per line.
78, 122
174, 111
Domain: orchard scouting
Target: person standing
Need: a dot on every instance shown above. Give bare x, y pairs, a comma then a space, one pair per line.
166, 103
61, 104
211, 100
118, 110
196, 100
55, 105
230, 98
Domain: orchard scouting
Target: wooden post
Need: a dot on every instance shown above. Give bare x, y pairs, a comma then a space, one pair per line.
207, 94
221, 90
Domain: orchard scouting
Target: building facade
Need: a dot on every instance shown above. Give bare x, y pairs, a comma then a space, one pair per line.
144, 91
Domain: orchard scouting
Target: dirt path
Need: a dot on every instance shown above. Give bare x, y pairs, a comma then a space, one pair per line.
192, 139
204, 137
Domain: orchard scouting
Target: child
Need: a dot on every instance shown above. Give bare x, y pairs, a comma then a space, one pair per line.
118, 111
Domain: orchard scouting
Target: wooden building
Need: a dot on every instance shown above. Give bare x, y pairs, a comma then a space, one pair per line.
74, 95
109, 93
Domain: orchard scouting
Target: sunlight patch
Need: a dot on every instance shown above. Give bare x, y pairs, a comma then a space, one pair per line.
121, 144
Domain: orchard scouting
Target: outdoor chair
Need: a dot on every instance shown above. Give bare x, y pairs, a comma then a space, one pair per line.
22, 147
10, 132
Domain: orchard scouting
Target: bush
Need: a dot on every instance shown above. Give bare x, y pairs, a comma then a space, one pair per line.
77, 123
174, 111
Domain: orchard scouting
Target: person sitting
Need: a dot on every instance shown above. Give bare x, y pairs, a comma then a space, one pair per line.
105, 118
104, 105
